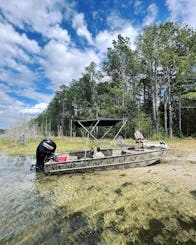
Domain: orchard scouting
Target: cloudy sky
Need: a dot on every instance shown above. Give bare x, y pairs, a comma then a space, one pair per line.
46, 43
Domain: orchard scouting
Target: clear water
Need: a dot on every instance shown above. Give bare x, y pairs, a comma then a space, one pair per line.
110, 207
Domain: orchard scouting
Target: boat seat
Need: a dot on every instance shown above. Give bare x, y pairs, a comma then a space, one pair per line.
139, 138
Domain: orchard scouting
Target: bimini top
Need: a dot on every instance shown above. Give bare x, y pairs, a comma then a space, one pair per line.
97, 122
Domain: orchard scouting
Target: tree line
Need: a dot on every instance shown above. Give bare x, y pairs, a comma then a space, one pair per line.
152, 85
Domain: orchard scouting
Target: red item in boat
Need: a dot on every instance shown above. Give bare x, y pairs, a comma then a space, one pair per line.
62, 158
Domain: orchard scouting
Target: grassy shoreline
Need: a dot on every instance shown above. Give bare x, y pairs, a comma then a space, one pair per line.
65, 144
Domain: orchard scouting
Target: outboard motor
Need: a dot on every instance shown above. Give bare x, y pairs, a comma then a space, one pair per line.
45, 151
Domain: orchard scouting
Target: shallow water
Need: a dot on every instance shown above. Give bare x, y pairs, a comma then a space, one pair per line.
110, 207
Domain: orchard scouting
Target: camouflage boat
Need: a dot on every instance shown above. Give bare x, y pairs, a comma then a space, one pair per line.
112, 158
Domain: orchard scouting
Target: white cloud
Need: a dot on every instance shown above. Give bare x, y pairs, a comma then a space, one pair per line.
18, 79
152, 12
183, 10
23, 61
11, 40
10, 36
118, 26
12, 109
16, 53
130, 32
138, 7
115, 22
62, 64
58, 34
35, 15
32, 94
81, 28
35, 110
9, 109
104, 40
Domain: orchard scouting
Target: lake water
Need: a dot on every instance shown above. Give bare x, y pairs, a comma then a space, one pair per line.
110, 207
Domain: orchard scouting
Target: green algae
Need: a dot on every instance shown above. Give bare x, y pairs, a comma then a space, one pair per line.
193, 193
125, 210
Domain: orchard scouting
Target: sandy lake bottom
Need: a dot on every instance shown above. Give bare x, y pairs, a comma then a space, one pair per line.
149, 205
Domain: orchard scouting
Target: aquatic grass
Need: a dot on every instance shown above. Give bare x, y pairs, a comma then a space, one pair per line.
130, 206
142, 213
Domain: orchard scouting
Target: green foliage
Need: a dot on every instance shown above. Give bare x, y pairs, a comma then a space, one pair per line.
2, 131
191, 96
146, 85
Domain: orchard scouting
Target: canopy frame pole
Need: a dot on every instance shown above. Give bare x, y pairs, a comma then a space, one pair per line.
93, 128
124, 123
89, 132
106, 132
86, 145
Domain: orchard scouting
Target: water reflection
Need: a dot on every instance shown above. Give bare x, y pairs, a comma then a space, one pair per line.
113, 207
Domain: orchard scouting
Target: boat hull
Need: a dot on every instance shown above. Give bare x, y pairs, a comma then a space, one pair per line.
133, 159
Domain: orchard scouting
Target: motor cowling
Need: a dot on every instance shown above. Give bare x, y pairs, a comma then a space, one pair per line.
44, 152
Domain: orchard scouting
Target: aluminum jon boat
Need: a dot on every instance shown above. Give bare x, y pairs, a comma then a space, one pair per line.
111, 158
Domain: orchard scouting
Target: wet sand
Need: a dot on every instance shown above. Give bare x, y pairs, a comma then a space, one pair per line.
178, 166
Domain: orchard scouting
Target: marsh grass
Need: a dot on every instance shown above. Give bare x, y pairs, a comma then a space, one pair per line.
65, 144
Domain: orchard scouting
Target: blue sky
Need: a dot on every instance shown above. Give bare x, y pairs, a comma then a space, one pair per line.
46, 43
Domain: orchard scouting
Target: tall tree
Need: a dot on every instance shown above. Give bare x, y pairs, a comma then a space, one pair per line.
147, 84
176, 60
147, 47
122, 68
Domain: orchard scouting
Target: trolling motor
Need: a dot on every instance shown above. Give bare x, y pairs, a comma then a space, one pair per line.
45, 152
